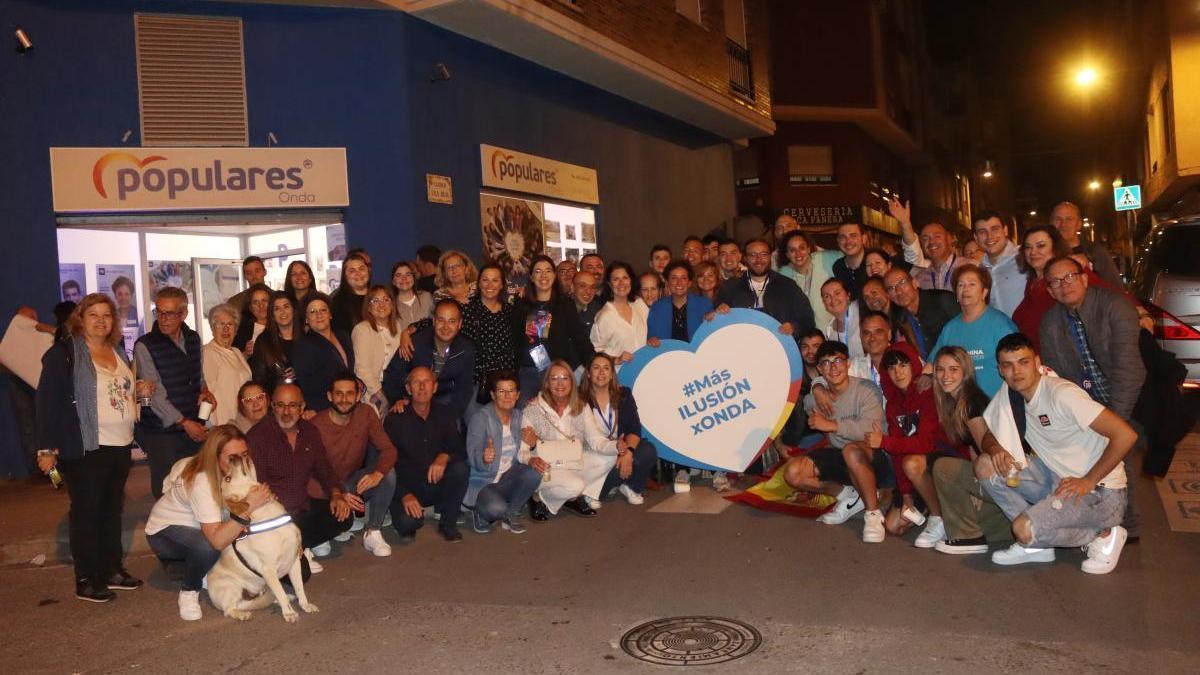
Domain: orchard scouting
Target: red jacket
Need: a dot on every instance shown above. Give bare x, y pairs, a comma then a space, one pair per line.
928, 436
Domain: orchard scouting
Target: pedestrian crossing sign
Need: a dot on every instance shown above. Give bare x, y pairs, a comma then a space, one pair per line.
1127, 197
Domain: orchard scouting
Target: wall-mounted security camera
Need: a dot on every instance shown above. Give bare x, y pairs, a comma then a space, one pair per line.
440, 73
24, 44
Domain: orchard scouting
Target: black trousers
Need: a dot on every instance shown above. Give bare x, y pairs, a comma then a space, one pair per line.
446, 498
318, 525
23, 406
96, 485
163, 449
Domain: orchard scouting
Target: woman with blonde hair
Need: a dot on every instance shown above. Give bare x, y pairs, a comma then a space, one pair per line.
190, 523
557, 414
85, 417
455, 278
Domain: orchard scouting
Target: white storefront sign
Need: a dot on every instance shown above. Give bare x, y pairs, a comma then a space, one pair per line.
114, 180
519, 172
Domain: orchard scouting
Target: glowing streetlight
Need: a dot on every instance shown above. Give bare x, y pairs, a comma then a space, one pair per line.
987, 169
1086, 76
1094, 185
1033, 213
1117, 182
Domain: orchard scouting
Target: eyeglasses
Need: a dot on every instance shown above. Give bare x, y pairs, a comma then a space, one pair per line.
162, 314
898, 284
261, 396
379, 301
829, 363
559, 378
318, 311
1068, 278
505, 392
280, 405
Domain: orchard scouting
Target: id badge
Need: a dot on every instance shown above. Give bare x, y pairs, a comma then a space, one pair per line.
541, 358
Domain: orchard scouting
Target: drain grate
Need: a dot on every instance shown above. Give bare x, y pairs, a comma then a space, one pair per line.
691, 641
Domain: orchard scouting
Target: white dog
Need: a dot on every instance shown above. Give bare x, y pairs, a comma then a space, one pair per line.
238, 582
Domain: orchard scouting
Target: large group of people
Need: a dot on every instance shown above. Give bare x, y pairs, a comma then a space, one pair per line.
984, 395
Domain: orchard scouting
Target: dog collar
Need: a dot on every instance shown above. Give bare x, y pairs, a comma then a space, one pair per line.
245, 522
272, 524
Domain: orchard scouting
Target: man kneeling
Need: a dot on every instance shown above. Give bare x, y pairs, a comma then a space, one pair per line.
857, 411
1052, 463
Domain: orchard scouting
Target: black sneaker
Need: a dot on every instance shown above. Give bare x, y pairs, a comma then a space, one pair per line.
579, 507
86, 589
538, 511
963, 546
450, 534
123, 581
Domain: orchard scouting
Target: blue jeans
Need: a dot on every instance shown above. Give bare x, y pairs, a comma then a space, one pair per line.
1056, 521
189, 545
378, 499
508, 495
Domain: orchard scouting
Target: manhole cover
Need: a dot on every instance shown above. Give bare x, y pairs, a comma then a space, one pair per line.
691, 641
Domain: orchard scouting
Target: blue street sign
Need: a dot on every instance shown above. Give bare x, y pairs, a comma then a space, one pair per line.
1127, 197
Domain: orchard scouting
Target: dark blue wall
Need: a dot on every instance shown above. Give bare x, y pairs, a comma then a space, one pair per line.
352, 78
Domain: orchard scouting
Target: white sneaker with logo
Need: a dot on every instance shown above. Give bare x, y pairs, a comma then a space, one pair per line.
935, 531
189, 606
848, 504
873, 532
631, 496
683, 481
1019, 555
1104, 552
322, 549
375, 545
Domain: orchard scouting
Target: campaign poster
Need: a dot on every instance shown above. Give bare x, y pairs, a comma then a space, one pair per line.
117, 282
72, 281
335, 240
219, 281
163, 273
512, 235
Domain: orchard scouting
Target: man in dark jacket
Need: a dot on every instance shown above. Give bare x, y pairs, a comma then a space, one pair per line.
449, 355
768, 291
169, 357
919, 314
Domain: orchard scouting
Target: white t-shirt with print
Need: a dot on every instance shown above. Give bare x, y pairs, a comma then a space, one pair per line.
1058, 427
185, 504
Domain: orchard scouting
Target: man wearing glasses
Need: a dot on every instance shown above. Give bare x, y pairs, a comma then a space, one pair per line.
857, 411
1090, 337
170, 428
288, 453
768, 291
919, 314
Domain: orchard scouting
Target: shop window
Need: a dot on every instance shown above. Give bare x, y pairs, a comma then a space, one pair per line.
810, 164
191, 80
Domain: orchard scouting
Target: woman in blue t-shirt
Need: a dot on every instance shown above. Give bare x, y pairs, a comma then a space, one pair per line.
979, 327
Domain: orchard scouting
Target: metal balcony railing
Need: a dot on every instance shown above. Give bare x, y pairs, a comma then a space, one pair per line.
741, 78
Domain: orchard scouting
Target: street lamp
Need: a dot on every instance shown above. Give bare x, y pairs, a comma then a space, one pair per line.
1086, 76
1094, 185
987, 169
1033, 213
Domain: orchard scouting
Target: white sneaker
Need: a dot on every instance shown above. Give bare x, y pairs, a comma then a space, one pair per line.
683, 481
594, 504
873, 531
344, 536
189, 605
720, 481
631, 496
323, 549
1104, 552
935, 531
358, 524
848, 504
313, 566
204, 582
1019, 555
373, 542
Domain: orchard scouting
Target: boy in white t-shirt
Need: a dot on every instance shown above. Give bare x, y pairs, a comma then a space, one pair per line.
1066, 485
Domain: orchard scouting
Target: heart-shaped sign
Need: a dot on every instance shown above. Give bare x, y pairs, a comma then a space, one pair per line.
715, 403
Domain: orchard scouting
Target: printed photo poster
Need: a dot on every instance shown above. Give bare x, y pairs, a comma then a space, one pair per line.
219, 281
72, 281
117, 282
163, 273
335, 239
512, 235
570, 232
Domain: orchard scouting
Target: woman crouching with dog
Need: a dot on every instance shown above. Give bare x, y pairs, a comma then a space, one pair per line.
189, 523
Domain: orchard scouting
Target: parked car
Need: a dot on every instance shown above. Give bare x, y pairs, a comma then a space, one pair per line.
1167, 278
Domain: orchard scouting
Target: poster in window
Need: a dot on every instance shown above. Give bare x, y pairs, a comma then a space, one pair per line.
116, 281
512, 235
72, 280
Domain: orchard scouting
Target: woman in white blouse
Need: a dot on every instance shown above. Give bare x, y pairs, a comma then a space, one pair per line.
843, 322
376, 339
225, 367
557, 414
620, 326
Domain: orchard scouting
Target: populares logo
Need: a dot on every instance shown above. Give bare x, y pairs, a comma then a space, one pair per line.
503, 167
140, 175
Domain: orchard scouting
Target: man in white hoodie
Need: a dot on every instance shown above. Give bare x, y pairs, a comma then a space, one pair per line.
1052, 463
1000, 260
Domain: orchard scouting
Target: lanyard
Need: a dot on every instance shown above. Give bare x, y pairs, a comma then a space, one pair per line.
846, 325
608, 421
759, 295
917, 334
945, 277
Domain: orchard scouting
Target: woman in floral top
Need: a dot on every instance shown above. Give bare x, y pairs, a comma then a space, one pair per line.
487, 321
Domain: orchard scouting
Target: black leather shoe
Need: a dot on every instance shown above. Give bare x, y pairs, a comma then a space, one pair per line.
580, 508
123, 581
86, 589
450, 534
538, 511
